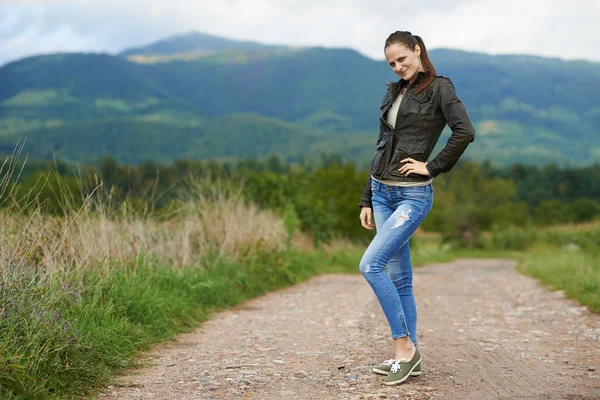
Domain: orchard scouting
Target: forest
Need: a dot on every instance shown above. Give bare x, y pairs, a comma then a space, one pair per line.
324, 195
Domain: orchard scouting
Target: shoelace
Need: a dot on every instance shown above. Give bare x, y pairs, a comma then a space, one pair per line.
395, 367
389, 362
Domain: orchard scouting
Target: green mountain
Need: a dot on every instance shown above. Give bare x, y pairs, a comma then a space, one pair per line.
195, 42
133, 140
254, 100
193, 45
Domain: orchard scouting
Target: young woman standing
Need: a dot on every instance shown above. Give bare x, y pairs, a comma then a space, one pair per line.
414, 111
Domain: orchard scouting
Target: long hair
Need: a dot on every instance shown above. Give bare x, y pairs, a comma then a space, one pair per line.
410, 41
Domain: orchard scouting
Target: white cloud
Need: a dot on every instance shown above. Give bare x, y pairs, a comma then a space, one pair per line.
544, 27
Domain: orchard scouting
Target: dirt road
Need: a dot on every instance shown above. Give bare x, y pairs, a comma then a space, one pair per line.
485, 332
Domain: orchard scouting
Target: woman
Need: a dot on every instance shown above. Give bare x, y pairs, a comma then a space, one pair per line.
414, 111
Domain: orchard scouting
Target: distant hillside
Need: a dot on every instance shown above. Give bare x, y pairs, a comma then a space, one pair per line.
134, 140
74, 87
526, 109
191, 45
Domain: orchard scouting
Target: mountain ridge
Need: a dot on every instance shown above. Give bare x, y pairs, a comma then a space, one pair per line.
524, 107
195, 41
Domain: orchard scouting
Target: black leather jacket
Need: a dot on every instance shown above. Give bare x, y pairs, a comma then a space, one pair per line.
421, 120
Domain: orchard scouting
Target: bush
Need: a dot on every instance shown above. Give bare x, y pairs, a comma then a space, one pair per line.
291, 222
588, 240
510, 237
585, 209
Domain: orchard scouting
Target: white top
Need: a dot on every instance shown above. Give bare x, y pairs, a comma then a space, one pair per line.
393, 111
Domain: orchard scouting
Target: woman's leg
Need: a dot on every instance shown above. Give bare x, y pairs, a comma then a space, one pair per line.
400, 271
391, 236
401, 274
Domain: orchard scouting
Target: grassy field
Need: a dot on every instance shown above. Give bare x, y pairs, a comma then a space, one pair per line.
83, 293
571, 270
567, 259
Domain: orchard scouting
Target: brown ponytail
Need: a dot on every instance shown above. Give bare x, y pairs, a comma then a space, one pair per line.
410, 41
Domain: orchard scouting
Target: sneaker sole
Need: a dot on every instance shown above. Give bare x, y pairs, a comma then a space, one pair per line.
379, 371
406, 377
382, 372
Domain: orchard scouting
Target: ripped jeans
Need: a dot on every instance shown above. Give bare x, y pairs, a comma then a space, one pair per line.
398, 213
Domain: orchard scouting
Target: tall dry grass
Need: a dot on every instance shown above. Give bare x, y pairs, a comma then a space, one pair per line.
211, 222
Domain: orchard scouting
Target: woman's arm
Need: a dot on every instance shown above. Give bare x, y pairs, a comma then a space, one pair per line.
458, 120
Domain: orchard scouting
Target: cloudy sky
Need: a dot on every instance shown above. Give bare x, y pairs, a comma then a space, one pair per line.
565, 29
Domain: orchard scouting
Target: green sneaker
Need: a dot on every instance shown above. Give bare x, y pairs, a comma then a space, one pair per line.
384, 368
401, 370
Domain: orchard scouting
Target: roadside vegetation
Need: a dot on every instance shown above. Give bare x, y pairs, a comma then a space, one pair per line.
97, 264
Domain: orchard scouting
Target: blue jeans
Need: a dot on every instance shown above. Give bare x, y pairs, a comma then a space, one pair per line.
398, 213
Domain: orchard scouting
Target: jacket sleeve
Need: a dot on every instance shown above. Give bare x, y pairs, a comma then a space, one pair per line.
463, 131
365, 200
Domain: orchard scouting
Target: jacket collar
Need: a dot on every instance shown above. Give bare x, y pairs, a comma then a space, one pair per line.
397, 86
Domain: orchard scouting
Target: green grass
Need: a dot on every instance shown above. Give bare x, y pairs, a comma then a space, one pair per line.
425, 250
63, 340
562, 258
571, 269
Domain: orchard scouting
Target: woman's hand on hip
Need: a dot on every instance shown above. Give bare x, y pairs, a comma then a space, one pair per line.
413, 167
365, 218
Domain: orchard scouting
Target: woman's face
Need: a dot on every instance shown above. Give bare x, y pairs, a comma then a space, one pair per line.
404, 62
